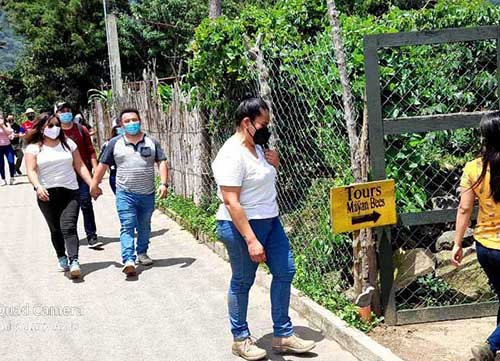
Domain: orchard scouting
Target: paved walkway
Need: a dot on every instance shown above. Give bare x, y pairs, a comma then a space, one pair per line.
173, 311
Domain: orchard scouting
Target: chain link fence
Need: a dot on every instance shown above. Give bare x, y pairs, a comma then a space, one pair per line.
310, 135
432, 80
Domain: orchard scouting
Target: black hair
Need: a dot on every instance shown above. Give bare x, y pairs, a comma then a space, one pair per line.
129, 110
35, 135
251, 107
114, 131
490, 152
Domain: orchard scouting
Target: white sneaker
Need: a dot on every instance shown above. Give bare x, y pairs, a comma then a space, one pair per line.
12, 181
4, 182
74, 269
129, 268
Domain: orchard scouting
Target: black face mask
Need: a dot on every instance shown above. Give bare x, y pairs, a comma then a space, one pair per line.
31, 117
261, 135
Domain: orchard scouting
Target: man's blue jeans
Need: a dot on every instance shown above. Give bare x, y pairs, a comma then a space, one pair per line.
271, 235
135, 211
489, 259
87, 210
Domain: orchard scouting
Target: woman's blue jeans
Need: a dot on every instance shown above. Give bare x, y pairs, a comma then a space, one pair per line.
489, 259
272, 236
7, 152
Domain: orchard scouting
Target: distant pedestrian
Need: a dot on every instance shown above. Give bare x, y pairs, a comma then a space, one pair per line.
249, 225
6, 151
27, 125
51, 162
481, 181
134, 153
80, 135
16, 143
112, 168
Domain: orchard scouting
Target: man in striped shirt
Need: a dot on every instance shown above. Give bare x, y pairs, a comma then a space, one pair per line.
134, 153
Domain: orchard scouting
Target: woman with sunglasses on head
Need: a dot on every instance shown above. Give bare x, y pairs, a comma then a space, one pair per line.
248, 224
51, 162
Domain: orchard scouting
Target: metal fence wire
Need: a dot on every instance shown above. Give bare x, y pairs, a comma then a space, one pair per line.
430, 80
310, 134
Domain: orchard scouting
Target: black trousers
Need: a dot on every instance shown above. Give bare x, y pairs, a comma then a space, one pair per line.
61, 214
18, 151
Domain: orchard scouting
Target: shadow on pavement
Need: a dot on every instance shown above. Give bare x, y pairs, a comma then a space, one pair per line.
167, 262
304, 332
88, 268
107, 240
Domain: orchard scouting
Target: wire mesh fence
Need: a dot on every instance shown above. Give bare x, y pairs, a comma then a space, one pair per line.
310, 135
431, 80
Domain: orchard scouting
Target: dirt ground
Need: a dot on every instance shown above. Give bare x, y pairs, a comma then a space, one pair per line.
437, 341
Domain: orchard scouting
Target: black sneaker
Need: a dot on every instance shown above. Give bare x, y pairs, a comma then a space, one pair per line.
19, 173
94, 242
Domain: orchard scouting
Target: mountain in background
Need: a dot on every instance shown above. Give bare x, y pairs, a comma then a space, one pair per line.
11, 45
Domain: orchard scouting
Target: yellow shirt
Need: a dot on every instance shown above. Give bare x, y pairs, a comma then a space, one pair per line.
487, 231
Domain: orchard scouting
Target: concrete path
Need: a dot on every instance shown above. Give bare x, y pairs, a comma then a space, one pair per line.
173, 311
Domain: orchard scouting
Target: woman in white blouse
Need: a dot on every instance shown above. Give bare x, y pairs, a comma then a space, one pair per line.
51, 162
248, 223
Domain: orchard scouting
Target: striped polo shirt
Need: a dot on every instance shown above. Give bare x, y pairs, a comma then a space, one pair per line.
135, 172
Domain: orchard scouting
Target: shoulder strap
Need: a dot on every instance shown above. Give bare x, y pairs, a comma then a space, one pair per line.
82, 133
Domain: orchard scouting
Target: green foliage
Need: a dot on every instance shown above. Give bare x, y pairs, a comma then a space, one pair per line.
166, 92
434, 291
105, 96
198, 219
298, 49
65, 48
163, 29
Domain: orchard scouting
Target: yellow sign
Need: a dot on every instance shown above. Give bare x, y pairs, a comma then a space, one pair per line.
364, 205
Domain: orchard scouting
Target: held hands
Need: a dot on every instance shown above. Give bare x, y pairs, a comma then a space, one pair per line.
272, 157
162, 191
95, 192
457, 254
256, 251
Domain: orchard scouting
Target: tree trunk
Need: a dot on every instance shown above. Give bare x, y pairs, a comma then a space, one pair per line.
364, 253
215, 9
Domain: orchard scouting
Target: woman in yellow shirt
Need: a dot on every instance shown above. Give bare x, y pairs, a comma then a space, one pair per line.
481, 181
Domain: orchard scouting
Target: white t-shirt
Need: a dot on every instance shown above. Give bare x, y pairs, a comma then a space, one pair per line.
236, 166
55, 165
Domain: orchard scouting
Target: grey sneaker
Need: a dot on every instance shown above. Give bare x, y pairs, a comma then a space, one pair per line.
292, 344
144, 259
129, 268
74, 269
248, 350
12, 181
483, 352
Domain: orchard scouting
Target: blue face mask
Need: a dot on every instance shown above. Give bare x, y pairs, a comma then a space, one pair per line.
132, 128
66, 117
120, 131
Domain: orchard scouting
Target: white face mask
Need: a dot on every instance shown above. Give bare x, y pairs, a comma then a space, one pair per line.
52, 133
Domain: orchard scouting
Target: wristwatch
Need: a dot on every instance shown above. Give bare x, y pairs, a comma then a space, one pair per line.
164, 184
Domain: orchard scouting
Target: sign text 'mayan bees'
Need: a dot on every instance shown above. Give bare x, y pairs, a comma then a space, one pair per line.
363, 205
